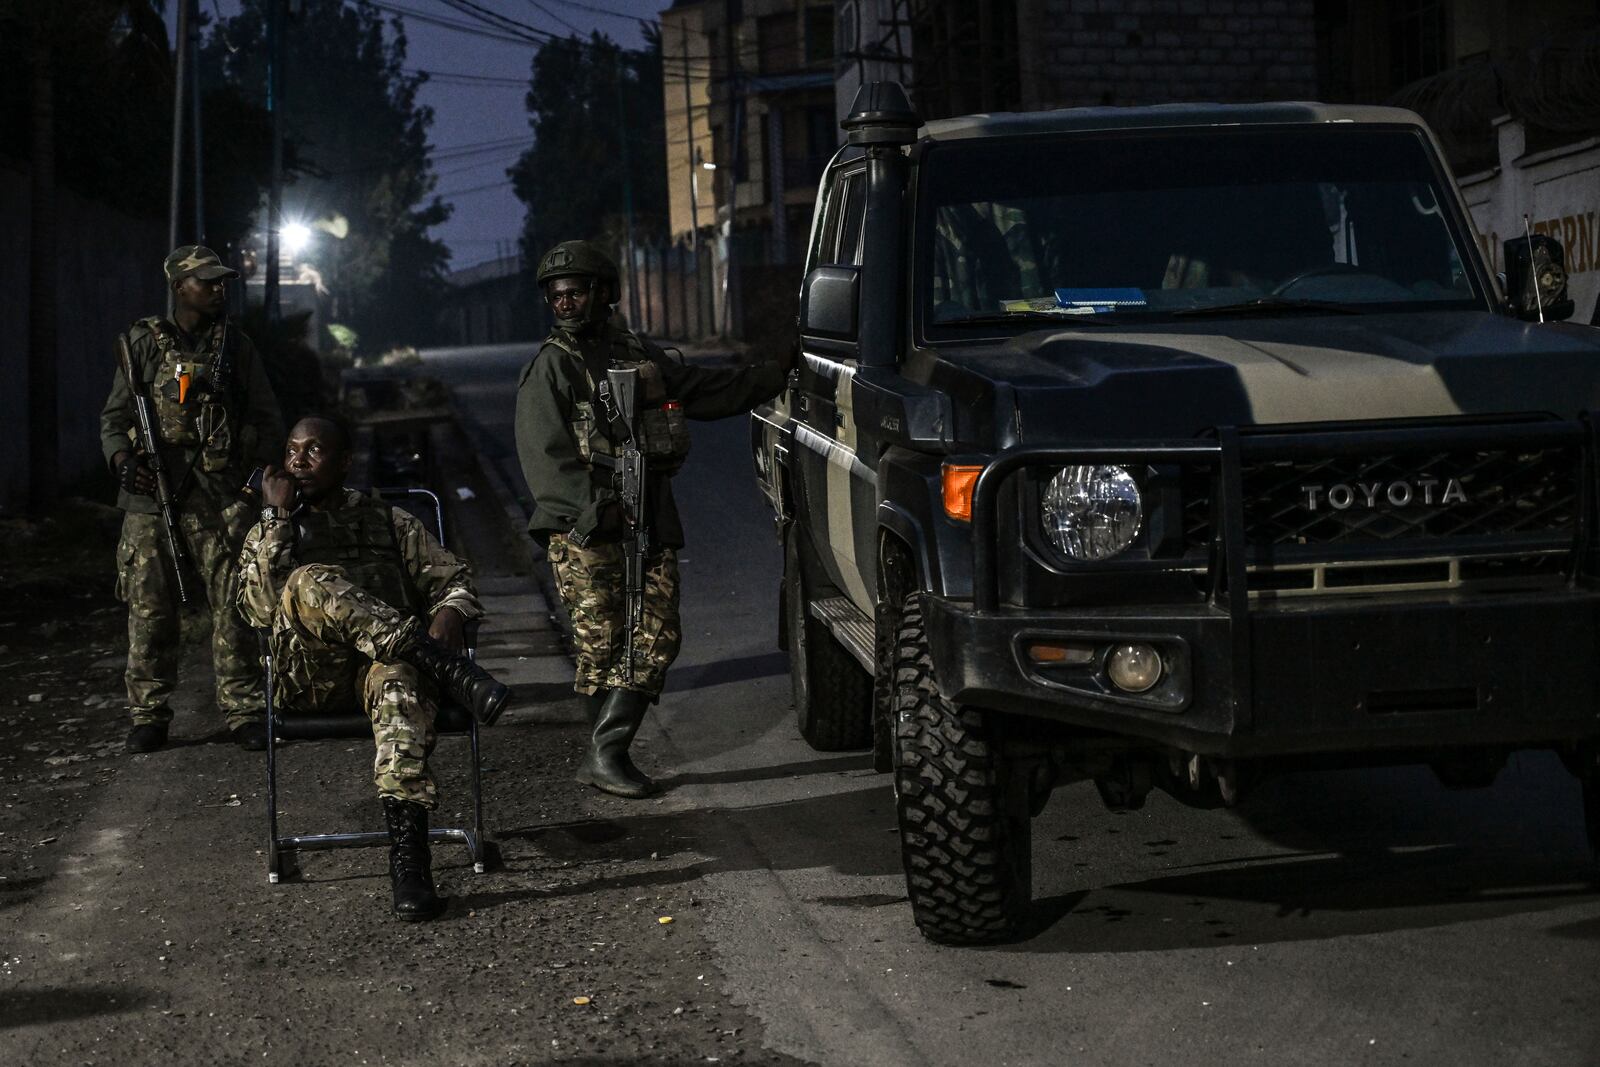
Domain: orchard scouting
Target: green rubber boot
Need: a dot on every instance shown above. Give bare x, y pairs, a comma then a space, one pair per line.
606, 765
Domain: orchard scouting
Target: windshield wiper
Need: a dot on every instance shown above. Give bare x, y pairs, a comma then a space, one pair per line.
1268, 304
1032, 316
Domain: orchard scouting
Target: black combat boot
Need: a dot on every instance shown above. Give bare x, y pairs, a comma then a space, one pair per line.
147, 737
606, 765
250, 736
410, 861
462, 680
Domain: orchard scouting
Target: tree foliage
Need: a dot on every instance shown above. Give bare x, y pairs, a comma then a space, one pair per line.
111, 72
590, 104
360, 151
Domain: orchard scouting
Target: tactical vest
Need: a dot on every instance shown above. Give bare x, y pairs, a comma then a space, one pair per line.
360, 538
192, 399
663, 429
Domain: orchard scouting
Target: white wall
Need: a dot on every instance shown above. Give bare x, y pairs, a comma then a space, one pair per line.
1559, 190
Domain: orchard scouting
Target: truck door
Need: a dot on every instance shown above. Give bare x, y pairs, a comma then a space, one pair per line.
831, 477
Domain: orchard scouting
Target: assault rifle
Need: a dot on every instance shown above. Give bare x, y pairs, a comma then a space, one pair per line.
623, 383
144, 424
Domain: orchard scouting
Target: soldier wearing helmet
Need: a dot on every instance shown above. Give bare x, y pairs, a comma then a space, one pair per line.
567, 441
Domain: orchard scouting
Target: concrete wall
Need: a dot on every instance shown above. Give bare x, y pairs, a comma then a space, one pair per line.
1559, 190
108, 275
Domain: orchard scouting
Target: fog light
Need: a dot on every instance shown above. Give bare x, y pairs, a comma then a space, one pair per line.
1134, 668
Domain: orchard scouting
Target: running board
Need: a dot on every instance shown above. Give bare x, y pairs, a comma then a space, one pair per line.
849, 625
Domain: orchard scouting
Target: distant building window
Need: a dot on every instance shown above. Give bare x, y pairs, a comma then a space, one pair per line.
965, 57
1418, 40
775, 38
846, 38
822, 132
741, 155
819, 35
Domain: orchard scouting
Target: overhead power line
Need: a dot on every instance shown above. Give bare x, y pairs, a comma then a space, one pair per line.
510, 156
449, 24
508, 31
462, 76
501, 22
474, 189
547, 13
596, 9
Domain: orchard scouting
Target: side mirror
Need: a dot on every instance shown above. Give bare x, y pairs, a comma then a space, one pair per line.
1536, 278
830, 302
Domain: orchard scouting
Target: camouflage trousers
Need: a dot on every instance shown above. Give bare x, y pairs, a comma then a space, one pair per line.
593, 586
332, 648
145, 583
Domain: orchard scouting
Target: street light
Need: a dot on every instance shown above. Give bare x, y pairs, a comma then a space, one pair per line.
296, 235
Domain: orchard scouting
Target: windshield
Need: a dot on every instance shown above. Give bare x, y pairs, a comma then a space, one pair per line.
1269, 220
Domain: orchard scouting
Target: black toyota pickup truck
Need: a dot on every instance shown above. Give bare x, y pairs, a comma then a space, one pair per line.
1173, 447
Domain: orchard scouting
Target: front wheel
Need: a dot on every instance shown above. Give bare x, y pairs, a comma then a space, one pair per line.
832, 694
968, 861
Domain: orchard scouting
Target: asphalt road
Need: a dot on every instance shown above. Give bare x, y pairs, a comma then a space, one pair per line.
1352, 917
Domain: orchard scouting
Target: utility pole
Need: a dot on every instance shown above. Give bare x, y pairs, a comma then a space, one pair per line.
275, 189
180, 41
694, 180
627, 191
44, 431
194, 120
731, 8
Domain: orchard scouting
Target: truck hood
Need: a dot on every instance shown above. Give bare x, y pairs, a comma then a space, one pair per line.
1177, 379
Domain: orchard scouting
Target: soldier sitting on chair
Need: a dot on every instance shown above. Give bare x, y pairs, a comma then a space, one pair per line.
366, 610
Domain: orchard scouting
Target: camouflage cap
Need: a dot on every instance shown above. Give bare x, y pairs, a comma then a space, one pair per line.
197, 261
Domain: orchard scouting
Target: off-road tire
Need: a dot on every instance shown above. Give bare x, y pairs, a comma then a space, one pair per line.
832, 694
968, 862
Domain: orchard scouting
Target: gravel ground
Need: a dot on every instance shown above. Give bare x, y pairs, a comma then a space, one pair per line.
137, 925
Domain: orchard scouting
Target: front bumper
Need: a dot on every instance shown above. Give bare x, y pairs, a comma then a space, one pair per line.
1323, 677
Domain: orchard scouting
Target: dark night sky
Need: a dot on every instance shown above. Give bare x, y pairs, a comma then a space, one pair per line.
470, 114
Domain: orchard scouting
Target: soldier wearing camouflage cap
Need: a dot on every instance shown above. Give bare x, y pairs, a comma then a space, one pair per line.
567, 443
216, 418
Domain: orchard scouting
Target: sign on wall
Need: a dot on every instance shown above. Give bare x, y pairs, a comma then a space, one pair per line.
1559, 191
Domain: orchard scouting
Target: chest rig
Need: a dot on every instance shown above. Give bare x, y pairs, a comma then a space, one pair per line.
663, 429
359, 537
192, 394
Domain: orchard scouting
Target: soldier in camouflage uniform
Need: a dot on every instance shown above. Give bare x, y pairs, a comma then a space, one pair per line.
216, 418
344, 584
567, 444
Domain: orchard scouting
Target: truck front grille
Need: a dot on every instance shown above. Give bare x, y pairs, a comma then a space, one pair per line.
1416, 499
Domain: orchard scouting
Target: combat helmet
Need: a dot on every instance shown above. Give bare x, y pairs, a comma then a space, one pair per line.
571, 258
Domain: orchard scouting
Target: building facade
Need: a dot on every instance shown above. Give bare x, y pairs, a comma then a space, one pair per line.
749, 90
491, 303
750, 127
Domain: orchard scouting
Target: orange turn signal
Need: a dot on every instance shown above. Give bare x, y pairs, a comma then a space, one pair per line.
959, 481
1061, 655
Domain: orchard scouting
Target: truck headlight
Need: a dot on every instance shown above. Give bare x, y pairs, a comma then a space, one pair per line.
1091, 513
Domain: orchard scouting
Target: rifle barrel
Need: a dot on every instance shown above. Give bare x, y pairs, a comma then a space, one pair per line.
144, 427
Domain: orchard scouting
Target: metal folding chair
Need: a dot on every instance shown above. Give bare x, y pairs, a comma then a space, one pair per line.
290, 725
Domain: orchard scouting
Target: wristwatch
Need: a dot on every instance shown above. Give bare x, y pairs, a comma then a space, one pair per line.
271, 514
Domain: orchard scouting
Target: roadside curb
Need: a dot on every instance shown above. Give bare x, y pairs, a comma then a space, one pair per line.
528, 550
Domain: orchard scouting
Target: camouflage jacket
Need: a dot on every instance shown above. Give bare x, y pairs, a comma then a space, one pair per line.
212, 432
556, 406
443, 579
